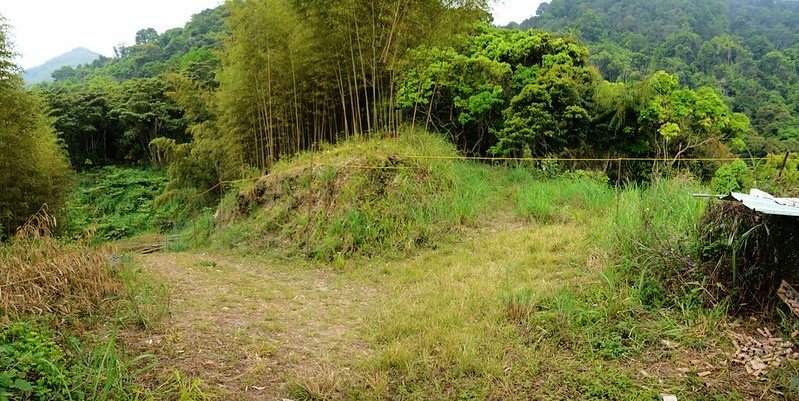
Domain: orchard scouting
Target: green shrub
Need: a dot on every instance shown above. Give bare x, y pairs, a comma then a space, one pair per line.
776, 174
114, 203
32, 366
770, 176
732, 177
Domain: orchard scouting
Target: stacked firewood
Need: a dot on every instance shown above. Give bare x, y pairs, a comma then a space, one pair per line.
789, 296
760, 354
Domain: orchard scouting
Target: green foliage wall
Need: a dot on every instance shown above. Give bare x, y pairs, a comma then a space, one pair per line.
297, 74
500, 85
114, 203
513, 93
777, 174
747, 49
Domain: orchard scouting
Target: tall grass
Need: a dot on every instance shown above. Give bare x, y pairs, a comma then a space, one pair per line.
562, 287
372, 197
562, 198
89, 295
103, 372
655, 237
146, 301
568, 305
40, 275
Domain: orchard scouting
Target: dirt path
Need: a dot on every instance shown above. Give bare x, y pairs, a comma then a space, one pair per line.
249, 327
491, 316
253, 328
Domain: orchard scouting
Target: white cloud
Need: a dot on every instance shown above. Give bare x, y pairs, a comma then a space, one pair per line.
507, 11
43, 29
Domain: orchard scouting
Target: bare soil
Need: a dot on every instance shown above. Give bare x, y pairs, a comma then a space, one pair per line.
247, 328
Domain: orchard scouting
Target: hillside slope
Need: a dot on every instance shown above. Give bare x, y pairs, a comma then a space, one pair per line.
748, 49
72, 58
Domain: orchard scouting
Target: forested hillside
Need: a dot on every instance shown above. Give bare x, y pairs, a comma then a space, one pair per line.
246, 84
109, 111
747, 49
72, 58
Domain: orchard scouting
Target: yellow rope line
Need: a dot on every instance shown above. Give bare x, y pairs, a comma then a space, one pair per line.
578, 159
478, 158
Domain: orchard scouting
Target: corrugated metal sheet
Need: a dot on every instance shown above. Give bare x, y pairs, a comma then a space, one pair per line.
765, 203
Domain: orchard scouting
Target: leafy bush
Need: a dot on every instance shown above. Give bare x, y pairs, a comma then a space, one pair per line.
778, 178
32, 366
48, 281
776, 174
732, 177
36, 363
114, 203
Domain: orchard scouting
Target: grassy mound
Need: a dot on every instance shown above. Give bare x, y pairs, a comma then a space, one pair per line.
355, 198
383, 196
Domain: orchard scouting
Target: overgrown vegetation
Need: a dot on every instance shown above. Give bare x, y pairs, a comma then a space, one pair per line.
362, 197
115, 203
41, 276
375, 196
63, 305
331, 132
598, 286
747, 255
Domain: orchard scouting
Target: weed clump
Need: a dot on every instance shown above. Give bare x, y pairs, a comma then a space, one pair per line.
746, 255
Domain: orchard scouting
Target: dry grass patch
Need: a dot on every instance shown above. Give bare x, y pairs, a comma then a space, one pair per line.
39, 275
443, 332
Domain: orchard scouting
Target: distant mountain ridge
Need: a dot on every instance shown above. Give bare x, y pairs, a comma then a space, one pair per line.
73, 58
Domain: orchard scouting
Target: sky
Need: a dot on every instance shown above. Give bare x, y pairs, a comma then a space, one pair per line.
506, 11
43, 29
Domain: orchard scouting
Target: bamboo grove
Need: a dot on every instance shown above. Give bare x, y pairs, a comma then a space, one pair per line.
34, 170
299, 73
